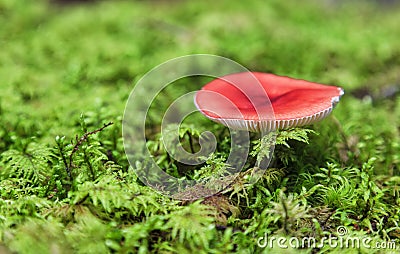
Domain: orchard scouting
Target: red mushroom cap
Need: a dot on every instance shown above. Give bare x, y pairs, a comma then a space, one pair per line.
239, 102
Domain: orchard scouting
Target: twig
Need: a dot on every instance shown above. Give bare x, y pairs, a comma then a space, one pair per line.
83, 139
190, 142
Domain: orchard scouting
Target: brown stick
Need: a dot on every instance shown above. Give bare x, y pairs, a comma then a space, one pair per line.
83, 139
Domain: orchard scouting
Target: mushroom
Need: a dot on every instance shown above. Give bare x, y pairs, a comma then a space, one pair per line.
279, 103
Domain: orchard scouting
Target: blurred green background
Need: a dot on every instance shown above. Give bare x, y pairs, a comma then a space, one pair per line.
65, 57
